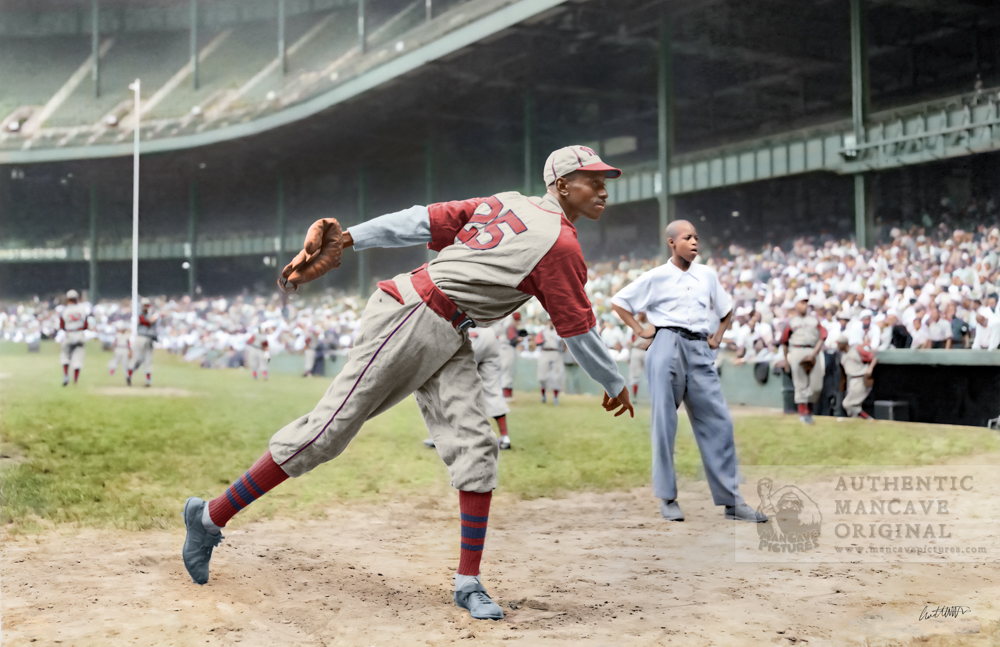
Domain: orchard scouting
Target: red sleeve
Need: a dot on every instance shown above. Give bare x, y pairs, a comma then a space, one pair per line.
447, 218
558, 282
784, 335
822, 332
62, 324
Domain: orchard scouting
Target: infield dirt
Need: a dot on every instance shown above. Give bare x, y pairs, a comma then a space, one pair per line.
593, 569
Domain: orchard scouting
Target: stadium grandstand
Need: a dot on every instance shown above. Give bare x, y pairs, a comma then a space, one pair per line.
759, 120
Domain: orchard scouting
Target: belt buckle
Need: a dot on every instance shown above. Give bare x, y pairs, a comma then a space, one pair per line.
466, 323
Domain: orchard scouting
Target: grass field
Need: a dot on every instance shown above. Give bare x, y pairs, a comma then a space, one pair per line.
89, 457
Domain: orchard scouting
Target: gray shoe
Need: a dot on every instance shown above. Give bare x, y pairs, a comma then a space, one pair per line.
428, 443
504, 442
671, 510
743, 512
806, 419
473, 597
199, 542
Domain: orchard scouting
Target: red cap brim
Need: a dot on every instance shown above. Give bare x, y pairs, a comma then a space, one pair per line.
609, 171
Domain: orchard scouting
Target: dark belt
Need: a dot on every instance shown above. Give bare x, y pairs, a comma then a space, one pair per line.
685, 333
438, 301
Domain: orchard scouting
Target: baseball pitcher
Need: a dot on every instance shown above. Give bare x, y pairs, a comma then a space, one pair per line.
145, 337
495, 254
122, 348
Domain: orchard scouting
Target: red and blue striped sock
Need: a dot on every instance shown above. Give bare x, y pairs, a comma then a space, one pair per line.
262, 477
475, 509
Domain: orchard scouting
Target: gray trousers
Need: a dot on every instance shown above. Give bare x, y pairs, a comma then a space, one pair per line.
679, 370
402, 348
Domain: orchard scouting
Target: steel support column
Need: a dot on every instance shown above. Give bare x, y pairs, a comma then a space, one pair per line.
95, 45
192, 246
362, 216
194, 43
429, 181
859, 115
529, 140
94, 288
429, 8
281, 36
279, 239
665, 128
362, 34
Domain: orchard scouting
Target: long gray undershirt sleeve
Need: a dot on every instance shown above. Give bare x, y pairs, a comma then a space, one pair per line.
400, 229
593, 357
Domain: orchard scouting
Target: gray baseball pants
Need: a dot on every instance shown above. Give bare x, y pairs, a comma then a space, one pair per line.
402, 348
681, 370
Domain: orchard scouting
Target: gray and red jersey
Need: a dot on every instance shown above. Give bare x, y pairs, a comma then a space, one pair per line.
123, 339
498, 252
146, 326
74, 320
802, 331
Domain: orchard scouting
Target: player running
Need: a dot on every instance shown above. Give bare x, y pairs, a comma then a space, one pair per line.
73, 322
495, 254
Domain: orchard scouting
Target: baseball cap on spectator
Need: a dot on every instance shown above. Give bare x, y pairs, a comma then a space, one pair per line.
564, 161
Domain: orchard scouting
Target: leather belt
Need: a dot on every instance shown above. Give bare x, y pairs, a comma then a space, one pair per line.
804, 345
438, 301
685, 333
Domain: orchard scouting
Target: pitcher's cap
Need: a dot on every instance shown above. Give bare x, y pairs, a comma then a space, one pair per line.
575, 158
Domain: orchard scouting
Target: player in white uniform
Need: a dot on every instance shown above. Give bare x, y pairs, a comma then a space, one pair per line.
511, 338
257, 355
551, 370
74, 320
122, 348
145, 336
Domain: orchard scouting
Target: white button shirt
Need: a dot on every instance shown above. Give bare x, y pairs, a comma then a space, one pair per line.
672, 297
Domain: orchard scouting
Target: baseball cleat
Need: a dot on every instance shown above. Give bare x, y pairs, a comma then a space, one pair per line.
65, 380
806, 419
543, 398
128, 380
864, 416
504, 442
555, 400
671, 510
429, 442
743, 512
473, 597
199, 542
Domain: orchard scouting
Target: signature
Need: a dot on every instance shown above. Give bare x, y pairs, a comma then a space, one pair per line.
943, 612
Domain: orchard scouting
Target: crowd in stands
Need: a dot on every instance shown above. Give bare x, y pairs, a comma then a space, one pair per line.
921, 288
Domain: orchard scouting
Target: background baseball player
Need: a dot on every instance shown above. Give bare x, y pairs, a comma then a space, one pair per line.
683, 300
637, 348
257, 355
859, 363
142, 354
512, 334
802, 341
122, 348
486, 348
551, 370
309, 353
73, 321
495, 254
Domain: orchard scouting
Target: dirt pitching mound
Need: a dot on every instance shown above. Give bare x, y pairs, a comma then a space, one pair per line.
600, 569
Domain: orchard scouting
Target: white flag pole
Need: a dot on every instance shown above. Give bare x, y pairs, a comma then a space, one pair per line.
135, 217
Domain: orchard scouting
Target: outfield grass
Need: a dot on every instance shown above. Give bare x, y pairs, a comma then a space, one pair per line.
84, 457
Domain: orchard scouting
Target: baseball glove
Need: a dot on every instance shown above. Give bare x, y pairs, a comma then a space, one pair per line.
320, 253
808, 364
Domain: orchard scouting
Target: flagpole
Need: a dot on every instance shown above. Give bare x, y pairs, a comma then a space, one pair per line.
135, 215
